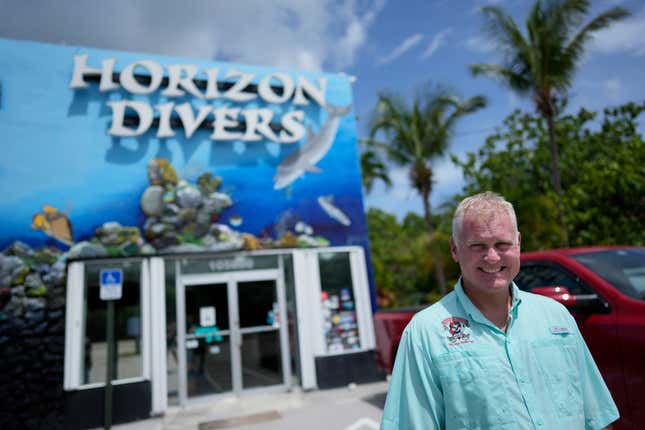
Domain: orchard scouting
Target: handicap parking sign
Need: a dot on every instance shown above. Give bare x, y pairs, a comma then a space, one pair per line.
111, 283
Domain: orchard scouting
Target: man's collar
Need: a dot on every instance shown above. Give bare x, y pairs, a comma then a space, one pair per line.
468, 306
515, 296
474, 312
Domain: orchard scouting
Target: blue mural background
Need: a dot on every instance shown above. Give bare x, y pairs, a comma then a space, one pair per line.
56, 151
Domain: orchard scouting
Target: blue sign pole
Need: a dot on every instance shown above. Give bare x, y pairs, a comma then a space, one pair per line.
111, 284
110, 361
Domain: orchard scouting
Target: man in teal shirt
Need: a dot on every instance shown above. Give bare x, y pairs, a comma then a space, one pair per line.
489, 356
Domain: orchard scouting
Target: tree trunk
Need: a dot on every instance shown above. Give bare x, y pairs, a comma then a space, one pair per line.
441, 277
555, 179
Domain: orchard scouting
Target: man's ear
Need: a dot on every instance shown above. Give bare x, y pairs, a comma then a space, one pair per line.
519, 238
453, 250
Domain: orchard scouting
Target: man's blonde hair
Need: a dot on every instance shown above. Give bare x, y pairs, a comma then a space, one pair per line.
485, 204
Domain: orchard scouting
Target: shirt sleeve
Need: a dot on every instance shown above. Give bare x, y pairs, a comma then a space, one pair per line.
599, 407
414, 398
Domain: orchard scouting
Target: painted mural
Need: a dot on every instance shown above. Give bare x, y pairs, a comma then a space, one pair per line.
111, 154
120, 154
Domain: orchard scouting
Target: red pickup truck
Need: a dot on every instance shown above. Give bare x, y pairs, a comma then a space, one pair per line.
604, 288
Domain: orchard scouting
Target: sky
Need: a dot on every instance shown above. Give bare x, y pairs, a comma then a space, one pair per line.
394, 46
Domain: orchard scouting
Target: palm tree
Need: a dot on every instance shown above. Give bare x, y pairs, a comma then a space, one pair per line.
543, 61
416, 135
373, 169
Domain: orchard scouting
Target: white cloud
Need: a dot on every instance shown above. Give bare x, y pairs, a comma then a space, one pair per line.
356, 30
479, 44
397, 199
302, 34
448, 177
437, 41
400, 198
613, 89
621, 37
401, 49
401, 188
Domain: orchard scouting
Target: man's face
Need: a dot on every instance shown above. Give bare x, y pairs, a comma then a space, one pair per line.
488, 252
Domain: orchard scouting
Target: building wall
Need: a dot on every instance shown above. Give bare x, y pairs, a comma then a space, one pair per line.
76, 187
32, 333
69, 172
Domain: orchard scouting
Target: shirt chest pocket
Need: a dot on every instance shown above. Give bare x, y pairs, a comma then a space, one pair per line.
474, 396
557, 365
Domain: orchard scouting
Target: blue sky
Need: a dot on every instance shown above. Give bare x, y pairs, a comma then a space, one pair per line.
387, 45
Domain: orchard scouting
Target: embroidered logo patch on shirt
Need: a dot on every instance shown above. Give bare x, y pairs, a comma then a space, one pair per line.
458, 330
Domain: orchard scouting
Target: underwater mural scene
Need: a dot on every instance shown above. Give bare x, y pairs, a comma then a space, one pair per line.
114, 154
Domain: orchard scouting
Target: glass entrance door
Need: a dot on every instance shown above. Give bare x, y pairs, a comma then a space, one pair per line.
260, 321
208, 340
232, 331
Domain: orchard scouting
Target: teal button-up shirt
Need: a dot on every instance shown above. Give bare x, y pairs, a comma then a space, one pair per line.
456, 370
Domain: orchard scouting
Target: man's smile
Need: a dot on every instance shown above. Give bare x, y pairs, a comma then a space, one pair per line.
497, 270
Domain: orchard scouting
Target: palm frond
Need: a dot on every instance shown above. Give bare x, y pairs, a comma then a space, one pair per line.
372, 144
565, 14
516, 81
575, 47
419, 130
474, 103
467, 106
373, 168
501, 27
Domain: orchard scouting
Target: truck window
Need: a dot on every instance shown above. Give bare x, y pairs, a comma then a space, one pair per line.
534, 275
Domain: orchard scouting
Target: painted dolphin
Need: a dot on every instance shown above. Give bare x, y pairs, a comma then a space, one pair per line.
312, 151
326, 202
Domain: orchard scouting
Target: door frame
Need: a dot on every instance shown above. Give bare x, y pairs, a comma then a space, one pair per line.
231, 280
75, 321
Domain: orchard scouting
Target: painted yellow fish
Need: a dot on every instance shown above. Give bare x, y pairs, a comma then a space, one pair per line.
54, 224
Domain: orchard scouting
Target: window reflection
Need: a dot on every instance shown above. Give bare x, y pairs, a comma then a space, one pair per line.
127, 326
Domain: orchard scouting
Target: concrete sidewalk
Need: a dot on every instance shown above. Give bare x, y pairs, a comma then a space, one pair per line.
355, 407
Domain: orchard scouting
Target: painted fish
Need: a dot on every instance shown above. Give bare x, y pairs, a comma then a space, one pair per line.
312, 151
326, 202
54, 224
302, 227
235, 220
